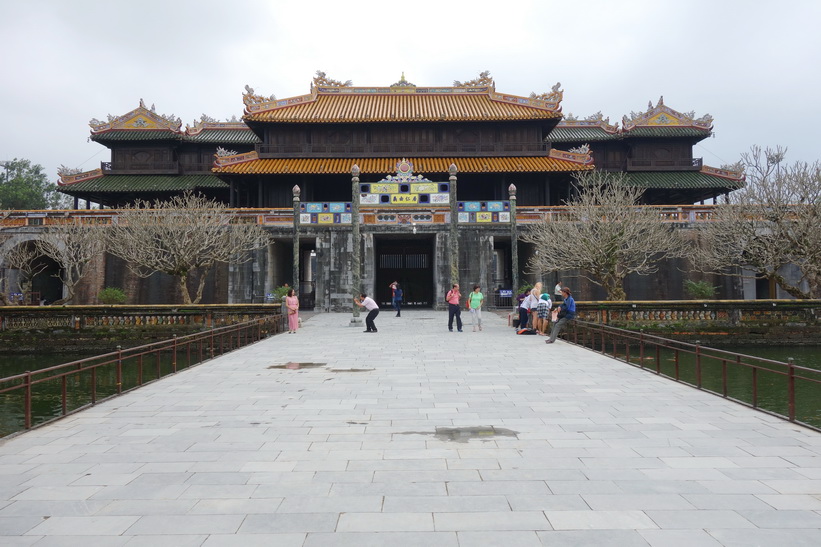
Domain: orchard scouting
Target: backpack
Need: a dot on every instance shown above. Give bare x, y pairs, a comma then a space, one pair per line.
526, 331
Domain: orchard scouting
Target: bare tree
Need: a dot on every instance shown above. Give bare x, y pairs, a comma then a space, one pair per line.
23, 258
772, 223
605, 235
183, 236
72, 246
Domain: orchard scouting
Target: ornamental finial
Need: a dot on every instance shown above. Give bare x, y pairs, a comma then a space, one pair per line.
452, 170
512, 190
355, 170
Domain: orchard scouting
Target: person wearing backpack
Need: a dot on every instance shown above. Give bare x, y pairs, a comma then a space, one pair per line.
475, 301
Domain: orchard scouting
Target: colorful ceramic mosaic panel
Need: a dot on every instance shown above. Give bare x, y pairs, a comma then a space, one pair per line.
325, 213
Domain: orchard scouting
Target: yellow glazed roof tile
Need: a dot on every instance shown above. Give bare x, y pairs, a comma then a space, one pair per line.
446, 104
388, 165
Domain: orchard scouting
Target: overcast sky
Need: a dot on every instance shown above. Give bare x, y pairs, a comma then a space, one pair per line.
752, 64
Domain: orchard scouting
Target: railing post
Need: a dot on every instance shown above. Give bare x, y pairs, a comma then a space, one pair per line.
64, 394
791, 387
119, 370
641, 349
627, 349
211, 343
140, 369
94, 384
174, 354
658, 358
755, 382
724, 376
698, 366
27, 403
677, 363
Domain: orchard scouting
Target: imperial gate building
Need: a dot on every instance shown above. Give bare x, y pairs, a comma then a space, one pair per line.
445, 178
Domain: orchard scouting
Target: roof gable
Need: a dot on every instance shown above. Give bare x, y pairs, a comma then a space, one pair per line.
664, 116
333, 101
140, 119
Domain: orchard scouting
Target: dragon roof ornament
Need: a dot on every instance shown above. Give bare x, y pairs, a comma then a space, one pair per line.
554, 96
207, 122
483, 80
249, 97
68, 171
139, 118
664, 116
594, 120
67, 178
322, 80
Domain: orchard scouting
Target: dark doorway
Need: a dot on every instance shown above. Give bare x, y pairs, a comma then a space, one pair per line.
410, 262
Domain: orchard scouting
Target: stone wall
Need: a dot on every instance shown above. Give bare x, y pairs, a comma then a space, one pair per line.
25, 329
715, 322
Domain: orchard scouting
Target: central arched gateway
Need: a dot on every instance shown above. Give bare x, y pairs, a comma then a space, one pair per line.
408, 261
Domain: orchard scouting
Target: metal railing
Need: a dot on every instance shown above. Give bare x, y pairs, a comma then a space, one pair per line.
782, 389
34, 398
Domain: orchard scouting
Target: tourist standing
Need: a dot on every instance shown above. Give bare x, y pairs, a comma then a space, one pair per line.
292, 305
454, 310
535, 293
567, 312
365, 301
397, 299
475, 301
557, 292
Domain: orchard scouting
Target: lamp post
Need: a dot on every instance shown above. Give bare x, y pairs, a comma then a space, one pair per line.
514, 241
454, 222
296, 286
356, 268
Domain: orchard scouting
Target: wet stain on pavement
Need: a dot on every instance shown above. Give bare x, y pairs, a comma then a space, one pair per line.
298, 366
465, 434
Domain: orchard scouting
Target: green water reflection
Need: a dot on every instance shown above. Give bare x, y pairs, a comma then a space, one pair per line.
763, 382
82, 384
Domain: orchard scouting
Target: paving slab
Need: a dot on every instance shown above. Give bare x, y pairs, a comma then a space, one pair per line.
412, 436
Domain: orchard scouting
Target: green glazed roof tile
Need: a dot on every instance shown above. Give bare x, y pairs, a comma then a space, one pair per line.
144, 183
141, 135
581, 134
680, 179
663, 131
224, 136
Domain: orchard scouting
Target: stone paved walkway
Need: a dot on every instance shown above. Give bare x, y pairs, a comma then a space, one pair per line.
412, 436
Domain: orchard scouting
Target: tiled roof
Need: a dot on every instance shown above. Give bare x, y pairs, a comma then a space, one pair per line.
135, 135
388, 165
144, 183
580, 134
224, 136
397, 107
680, 179
662, 131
